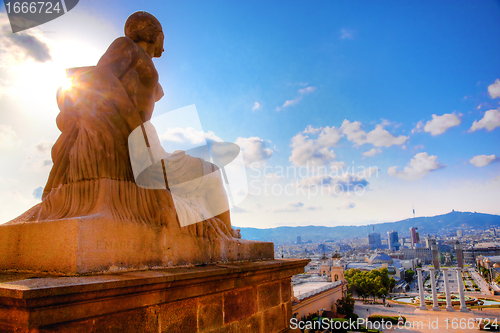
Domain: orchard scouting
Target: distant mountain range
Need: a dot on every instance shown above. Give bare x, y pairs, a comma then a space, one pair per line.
426, 225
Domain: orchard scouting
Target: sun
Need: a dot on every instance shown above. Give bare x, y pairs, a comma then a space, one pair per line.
66, 83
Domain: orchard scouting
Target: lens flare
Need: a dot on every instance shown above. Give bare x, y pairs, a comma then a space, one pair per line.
67, 84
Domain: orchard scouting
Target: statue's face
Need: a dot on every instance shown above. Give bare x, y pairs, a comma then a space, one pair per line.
159, 45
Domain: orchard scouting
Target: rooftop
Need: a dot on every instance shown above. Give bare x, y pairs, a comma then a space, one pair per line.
308, 286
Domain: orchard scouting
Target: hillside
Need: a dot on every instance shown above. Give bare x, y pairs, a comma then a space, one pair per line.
426, 225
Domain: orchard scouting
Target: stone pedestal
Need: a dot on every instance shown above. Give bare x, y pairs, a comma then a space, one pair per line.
463, 305
238, 297
449, 306
435, 303
100, 244
421, 289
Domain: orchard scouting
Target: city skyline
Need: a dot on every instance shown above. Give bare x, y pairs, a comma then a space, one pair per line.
347, 114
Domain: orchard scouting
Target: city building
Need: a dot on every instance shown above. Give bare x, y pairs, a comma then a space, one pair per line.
380, 258
392, 240
299, 240
309, 297
459, 254
413, 236
423, 254
325, 266
374, 241
481, 249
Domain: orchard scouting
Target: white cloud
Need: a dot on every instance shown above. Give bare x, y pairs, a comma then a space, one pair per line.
482, 160
315, 152
372, 152
367, 173
22, 46
392, 171
494, 89
13, 204
311, 130
440, 124
291, 102
188, 135
238, 210
254, 150
307, 90
38, 159
8, 138
328, 137
353, 132
346, 33
338, 181
37, 193
379, 137
256, 106
347, 205
490, 121
337, 166
294, 207
418, 127
420, 165
43, 147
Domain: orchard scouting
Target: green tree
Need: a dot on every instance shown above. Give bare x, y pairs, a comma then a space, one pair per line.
409, 274
373, 283
345, 305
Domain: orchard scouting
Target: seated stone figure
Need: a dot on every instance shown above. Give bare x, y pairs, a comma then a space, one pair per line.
92, 173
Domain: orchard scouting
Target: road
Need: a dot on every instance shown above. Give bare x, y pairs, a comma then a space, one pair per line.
419, 321
481, 282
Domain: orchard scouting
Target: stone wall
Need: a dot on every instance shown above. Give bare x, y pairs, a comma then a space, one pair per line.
237, 297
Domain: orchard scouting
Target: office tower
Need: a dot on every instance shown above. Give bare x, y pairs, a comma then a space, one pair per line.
459, 254
374, 241
413, 236
393, 240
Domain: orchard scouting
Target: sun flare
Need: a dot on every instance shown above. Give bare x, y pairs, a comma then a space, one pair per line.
66, 84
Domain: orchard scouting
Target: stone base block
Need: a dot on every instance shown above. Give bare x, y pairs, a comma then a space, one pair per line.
97, 244
244, 297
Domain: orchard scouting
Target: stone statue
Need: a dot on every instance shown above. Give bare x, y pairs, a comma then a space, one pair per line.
92, 171
95, 214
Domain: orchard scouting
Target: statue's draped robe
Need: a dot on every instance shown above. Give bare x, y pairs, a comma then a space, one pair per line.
92, 173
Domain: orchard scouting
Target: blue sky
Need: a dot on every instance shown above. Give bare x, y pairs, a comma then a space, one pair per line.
292, 82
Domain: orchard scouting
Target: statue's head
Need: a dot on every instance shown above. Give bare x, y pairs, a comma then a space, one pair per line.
142, 26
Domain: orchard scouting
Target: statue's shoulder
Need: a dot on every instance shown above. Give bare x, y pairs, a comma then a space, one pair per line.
122, 43
120, 52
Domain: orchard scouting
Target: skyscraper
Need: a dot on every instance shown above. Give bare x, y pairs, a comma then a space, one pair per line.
374, 241
393, 240
413, 236
459, 254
